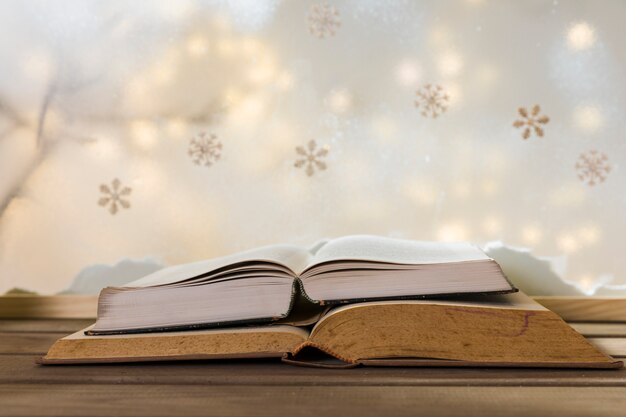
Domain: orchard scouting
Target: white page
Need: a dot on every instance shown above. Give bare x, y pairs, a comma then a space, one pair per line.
293, 257
389, 250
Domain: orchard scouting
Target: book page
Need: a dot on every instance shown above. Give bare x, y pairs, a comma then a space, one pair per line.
398, 251
513, 301
292, 257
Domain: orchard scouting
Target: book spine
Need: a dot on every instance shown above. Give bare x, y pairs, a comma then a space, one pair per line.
299, 286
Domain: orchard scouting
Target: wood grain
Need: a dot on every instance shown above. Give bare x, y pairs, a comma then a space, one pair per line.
36, 343
22, 369
600, 329
64, 326
265, 387
289, 400
587, 309
614, 346
55, 306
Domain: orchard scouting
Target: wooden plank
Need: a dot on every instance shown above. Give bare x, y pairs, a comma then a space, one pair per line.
225, 401
600, 329
614, 346
64, 326
36, 343
587, 309
22, 369
55, 306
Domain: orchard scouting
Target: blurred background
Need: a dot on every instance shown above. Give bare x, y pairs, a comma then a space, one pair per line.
159, 132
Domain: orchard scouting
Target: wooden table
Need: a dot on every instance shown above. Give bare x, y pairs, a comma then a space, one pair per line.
269, 388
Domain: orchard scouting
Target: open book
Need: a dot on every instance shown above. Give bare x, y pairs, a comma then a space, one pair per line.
294, 284
494, 330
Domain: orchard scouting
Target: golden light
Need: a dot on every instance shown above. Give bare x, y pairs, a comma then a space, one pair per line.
589, 234
531, 235
587, 284
567, 243
232, 96
251, 46
197, 45
263, 71
452, 232
581, 36
408, 73
588, 118
225, 46
450, 64
339, 100
455, 94
249, 110
177, 127
163, 74
144, 134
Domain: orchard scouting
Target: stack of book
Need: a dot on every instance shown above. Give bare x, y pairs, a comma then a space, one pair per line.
356, 300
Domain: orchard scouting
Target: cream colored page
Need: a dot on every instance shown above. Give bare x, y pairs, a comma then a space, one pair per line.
292, 257
389, 250
514, 301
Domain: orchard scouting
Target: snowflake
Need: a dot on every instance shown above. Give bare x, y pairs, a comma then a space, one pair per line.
311, 158
531, 121
113, 196
323, 20
593, 167
432, 100
205, 149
